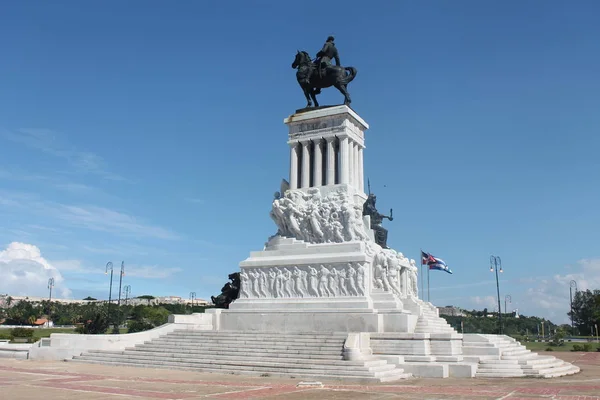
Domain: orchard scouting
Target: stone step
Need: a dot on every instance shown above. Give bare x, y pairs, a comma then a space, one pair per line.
499, 374
239, 363
222, 350
390, 376
265, 335
563, 367
293, 369
329, 355
245, 350
484, 351
515, 351
539, 360
195, 339
247, 344
239, 352
484, 366
257, 345
232, 358
573, 369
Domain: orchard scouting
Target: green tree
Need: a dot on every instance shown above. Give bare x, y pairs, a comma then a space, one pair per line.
586, 310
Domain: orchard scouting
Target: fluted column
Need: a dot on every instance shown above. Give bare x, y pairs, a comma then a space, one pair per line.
351, 162
305, 164
318, 164
344, 161
356, 169
330, 162
293, 166
361, 171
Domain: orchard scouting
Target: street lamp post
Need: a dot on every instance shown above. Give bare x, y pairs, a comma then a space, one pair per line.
127, 290
495, 264
109, 266
572, 285
192, 297
507, 297
121, 281
50, 286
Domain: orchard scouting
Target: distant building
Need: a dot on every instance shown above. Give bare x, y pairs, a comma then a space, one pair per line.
4, 300
452, 311
130, 301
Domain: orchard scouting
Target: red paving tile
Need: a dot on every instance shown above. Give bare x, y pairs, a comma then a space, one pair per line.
256, 388
119, 391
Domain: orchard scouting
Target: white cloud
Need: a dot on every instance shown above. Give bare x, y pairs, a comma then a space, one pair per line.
52, 143
150, 271
489, 302
551, 294
26, 273
103, 219
86, 216
134, 271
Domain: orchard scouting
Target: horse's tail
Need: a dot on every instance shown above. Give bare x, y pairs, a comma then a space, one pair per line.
350, 76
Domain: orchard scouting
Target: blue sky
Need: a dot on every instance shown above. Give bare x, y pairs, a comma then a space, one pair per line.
151, 132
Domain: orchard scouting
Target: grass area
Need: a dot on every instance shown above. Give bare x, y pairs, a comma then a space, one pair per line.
540, 346
39, 333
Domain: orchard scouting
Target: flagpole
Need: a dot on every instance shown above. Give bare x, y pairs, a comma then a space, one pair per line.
422, 277
428, 282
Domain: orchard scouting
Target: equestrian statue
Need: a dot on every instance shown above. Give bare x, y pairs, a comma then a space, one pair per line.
315, 75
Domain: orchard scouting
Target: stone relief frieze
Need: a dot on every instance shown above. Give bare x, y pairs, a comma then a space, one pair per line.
320, 280
316, 219
394, 273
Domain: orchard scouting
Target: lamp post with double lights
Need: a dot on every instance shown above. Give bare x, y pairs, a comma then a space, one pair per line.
192, 297
50, 286
127, 290
572, 284
109, 266
496, 264
121, 281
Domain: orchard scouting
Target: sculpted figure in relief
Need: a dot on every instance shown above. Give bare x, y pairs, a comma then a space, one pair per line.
244, 293
272, 279
393, 275
315, 224
333, 283
313, 219
253, 278
323, 275
341, 275
262, 284
312, 281
361, 278
350, 280
299, 288
287, 283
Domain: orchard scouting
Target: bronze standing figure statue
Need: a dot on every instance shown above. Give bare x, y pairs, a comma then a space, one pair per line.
314, 76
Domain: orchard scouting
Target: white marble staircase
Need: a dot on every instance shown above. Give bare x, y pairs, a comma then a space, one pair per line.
307, 355
501, 356
430, 322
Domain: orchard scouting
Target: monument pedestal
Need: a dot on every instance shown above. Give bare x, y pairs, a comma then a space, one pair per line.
323, 270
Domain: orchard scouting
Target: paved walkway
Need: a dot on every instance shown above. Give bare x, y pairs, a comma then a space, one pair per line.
23, 380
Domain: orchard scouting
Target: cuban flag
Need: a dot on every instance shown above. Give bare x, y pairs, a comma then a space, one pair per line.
440, 265
426, 258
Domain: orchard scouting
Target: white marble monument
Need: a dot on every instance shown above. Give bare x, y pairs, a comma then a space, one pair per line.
322, 270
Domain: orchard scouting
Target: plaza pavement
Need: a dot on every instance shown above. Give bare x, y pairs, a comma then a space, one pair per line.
24, 379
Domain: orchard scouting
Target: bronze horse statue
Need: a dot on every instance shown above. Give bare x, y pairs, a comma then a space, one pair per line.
312, 82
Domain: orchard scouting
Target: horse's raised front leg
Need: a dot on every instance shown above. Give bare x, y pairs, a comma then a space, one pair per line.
307, 94
342, 89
